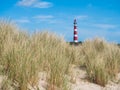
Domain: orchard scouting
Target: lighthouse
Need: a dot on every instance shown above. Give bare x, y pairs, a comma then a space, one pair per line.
75, 37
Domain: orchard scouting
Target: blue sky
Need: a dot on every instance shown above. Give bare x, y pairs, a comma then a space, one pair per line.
95, 18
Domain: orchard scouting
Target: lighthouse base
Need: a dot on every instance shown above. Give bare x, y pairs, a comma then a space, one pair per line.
76, 43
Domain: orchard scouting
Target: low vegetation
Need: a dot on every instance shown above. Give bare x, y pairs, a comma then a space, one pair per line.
23, 56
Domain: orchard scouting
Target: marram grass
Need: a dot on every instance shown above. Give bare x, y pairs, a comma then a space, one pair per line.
23, 56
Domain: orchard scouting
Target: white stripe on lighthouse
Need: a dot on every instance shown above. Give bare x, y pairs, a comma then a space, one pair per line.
76, 41
75, 29
76, 35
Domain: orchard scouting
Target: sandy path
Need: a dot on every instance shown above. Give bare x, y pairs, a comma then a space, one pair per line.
77, 81
82, 84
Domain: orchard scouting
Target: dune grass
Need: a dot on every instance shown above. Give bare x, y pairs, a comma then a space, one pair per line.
23, 56
101, 59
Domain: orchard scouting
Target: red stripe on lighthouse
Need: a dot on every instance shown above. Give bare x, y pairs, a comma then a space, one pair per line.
75, 27
75, 38
75, 32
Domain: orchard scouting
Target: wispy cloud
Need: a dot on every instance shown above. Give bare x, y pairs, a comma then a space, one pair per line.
105, 26
43, 4
43, 17
22, 21
35, 3
81, 17
26, 2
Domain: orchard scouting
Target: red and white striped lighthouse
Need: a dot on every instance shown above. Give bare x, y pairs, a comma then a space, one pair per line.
75, 38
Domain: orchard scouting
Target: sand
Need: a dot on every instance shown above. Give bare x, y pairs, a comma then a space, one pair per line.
81, 83
77, 81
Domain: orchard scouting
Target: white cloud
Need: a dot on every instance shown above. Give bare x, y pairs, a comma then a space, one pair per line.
22, 21
81, 17
26, 2
43, 5
44, 17
105, 26
35, 3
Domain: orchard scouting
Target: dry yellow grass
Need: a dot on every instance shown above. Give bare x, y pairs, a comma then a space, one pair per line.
23, 56
101, 59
